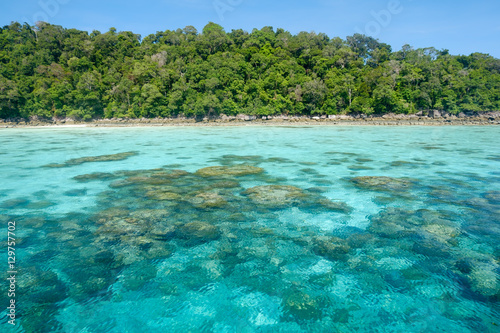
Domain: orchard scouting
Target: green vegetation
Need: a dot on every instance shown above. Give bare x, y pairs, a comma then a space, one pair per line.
47, 71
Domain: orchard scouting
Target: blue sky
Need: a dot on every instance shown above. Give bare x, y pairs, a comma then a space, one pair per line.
462, 27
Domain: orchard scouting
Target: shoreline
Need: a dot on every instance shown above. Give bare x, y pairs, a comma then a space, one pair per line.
492, 118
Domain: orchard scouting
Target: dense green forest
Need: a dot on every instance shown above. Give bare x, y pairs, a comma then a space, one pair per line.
47, 70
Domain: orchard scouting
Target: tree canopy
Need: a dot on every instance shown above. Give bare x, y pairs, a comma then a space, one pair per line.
50, 71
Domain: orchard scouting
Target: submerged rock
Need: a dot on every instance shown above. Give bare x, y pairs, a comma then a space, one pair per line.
302, 306
144, 179
94, 176
149, 180
138, 274
321, 182
392, 223
310, 171
153, 216
91, 285
493, 197
110, 213
163, 195
115, 229
331, 248
444, 233
336, 206
77, 192
317, 189
360, 240
442, 194
427, 228
363, 160
464, 265
384, 200
382, 183
359, 167
101, 158
41, 291
279, 160
225, 184
36, 281
407, 164
15, 203
227, 159
485, 280
195, 233
156, 250
235, 170
171, 174
208, 200
54, 165
40, 204
275, 196
120, 183
415, 273
431, 248
282, 196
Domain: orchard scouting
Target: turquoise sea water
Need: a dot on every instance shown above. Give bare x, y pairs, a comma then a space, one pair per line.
298, 229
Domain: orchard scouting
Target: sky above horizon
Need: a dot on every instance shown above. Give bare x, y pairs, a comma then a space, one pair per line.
463, 27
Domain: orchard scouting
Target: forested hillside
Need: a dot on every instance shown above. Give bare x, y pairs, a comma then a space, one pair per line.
47, 70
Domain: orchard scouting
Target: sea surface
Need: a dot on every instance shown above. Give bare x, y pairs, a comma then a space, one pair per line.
252, 229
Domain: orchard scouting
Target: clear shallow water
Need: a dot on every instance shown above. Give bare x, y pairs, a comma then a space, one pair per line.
385, 229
